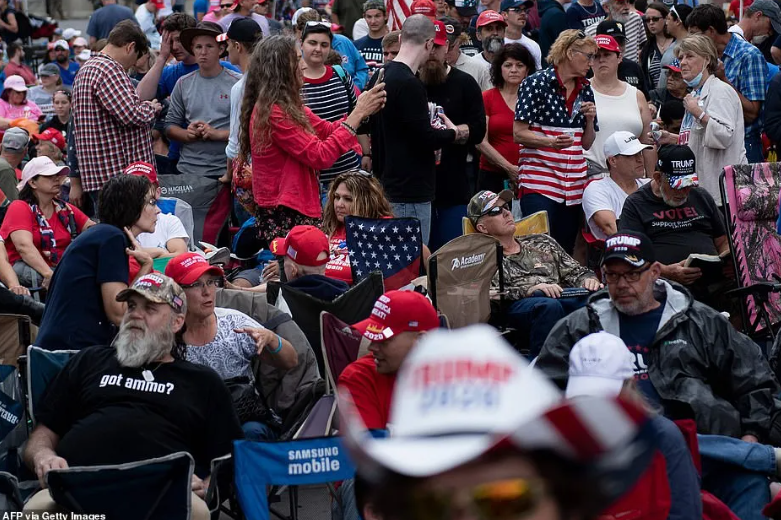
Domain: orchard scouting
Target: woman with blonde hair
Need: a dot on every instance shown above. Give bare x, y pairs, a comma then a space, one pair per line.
287, 142
555, 120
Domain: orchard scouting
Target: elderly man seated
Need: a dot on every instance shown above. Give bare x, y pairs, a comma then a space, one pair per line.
226, 340
686, 356
536, 270
94, 413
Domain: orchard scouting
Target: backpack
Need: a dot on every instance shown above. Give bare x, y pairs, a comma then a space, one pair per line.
343, 76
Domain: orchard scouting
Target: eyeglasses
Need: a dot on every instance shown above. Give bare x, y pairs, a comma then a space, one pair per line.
629, 276
590, 56
654, 19
211, 282
501, 500
497, 210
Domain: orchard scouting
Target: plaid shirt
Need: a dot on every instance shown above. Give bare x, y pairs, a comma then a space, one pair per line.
746, 69
112, 127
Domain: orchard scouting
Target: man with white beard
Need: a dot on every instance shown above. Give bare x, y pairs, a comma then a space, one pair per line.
490, 31
623, 12
134, 400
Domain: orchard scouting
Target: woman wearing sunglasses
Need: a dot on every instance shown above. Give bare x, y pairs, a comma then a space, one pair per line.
223, 10
659, 44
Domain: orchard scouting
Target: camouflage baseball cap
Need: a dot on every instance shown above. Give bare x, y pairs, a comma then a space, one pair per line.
483, 201
156, 288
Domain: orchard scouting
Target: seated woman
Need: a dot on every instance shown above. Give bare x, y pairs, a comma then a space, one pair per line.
225, 339
39, 226
14, 103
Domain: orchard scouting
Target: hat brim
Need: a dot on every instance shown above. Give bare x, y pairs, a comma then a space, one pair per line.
776, 25
672, 68
362, 327
124, 295
635, 148
23, 88
619, 255
187, 36
193, 273
578, 386
681, 182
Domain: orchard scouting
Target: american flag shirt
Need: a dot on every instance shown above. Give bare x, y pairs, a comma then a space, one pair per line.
112, 127
559, 175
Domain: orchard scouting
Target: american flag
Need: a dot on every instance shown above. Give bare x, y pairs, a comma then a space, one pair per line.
392, 246
398, 11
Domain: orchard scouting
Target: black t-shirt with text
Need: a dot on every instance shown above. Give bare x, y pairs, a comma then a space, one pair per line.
675, 232
105, 413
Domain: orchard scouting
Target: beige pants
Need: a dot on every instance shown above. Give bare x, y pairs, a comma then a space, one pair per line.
42, 501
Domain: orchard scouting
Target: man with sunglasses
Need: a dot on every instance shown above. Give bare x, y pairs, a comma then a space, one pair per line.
536, 270
515, 14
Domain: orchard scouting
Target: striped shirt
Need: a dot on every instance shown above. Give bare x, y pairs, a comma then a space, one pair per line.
332, 98
560, 175
634, 29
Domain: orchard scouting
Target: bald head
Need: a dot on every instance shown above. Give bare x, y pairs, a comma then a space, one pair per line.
417, 29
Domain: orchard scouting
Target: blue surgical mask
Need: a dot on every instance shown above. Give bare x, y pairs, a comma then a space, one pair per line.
696, 80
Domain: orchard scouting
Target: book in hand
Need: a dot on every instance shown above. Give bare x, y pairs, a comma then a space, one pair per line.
712, 266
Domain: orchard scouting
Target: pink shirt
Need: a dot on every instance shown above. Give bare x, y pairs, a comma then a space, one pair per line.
29, 110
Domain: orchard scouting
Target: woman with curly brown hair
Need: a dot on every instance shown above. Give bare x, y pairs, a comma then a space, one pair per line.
287, 142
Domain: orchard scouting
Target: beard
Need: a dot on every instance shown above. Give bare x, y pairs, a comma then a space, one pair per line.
493, 44
637, 307
433, 73
136, 348
673, 203
617, 15
62, 59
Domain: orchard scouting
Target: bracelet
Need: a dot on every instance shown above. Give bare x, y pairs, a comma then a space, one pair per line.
701, 116
349, 128
367, 155
279, 345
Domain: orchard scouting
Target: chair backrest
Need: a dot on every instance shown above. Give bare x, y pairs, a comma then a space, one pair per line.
393, 246
42, 367
16, 333
184, 211
259, 465
341, 344
160, 489
320, 421
534, 224
351, 307
750, 194
209, 199
459, 278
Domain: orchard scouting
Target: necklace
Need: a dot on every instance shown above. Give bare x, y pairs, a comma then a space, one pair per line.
663, 48
585, 8
148, 375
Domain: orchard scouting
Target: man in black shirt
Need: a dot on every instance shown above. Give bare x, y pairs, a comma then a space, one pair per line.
679, 217
135, 399
404, 160
460, 97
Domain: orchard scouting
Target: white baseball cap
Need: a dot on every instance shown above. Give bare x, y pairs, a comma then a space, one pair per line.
40, 165
69, 33
460, 394
623, 143
598, 365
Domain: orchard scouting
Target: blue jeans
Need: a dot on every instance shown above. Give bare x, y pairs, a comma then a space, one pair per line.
257, 431
565, 221
418, 210
736, 472
753, 145
445, 225
534, 317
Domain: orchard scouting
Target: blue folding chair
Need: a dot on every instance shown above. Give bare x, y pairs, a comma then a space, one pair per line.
42, 367
160, 489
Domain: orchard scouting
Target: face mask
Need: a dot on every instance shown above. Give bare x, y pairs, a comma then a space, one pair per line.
696, 80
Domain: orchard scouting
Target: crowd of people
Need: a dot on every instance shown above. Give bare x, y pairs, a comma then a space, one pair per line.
613, 117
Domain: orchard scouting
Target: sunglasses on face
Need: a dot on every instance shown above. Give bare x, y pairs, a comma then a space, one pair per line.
497, 210
225, 6
654, 19
501, 500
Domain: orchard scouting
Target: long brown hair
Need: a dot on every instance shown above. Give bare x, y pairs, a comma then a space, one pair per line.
272, 79
369, 200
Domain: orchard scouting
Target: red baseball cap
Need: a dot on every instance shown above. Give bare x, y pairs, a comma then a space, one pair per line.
607, 42
53, 136
142, 169
488, 17
424, 7
396, 312
440, 36
303, 245
188, 267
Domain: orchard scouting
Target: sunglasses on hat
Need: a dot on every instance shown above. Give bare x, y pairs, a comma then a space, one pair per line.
500, 500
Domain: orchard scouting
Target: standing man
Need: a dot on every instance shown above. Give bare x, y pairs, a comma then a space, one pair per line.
243, 9
761, 18
199, 111
407, 141
62, 58
460, 97
584, 13
111, 125
515, 13
623, 12
146, 16
552, 22
103, 21
370, 46
346, 13
490, 32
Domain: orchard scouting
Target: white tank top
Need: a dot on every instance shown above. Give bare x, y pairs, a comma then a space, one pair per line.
614, 113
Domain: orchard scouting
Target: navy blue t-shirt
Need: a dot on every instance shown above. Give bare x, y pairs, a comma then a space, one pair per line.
74, 317
638, 333
106, 18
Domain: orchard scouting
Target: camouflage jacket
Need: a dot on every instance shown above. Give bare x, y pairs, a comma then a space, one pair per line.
541, 260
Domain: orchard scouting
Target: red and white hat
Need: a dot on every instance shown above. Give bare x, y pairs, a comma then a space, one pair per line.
607, 42
460, 394
440, 34
396, 312
188, 267
305, 245
424, 7
142, 169
489, 16
52, 135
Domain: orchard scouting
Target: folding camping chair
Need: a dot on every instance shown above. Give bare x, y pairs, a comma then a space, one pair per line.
41, 367
459, 278
534, 224
160, 489
16, 333
341, 346
351, 307
750, 196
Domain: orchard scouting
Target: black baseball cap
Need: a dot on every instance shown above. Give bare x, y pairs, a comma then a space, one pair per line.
245, 30
632, 247
612, 28
453, 28
677, 163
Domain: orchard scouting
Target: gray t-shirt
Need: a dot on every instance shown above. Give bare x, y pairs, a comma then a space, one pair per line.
197, 98
43, 99
8, 180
